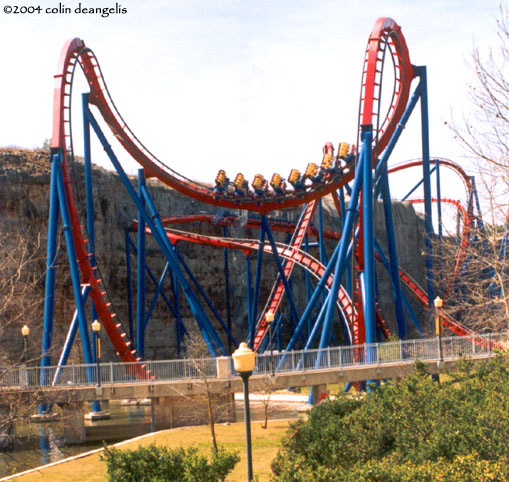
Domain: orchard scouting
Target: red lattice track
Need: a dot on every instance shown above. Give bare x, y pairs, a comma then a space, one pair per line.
292, 254
278, 289
386, 35
62, 139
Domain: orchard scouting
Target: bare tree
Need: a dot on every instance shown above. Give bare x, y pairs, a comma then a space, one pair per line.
20, 283
20, 302
485, 133
479, 295
475, 287
218, 406
268, 389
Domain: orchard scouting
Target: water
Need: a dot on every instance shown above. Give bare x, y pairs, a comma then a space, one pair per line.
41, 444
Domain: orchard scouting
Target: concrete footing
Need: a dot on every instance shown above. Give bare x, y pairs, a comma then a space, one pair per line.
101, 415
319, 392
44, 417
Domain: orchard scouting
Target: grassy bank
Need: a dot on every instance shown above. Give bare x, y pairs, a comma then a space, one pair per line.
232, 437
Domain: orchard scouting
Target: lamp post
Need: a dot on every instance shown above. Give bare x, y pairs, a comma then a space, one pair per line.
438, 324
96, 327
244, 362
269, 318
25, 331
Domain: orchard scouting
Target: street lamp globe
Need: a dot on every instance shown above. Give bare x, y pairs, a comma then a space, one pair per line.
438, 302
243, 359
25, 331
96, 326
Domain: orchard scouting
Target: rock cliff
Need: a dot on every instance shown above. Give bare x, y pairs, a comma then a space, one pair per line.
24, 195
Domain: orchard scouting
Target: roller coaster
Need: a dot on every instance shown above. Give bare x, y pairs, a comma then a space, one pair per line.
341, 305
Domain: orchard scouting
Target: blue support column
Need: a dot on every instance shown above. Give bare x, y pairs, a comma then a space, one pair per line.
192, 277
75, 273
307, 281
342, 250
96, 406
368, 237
406, 304
89, 195
71, 335
153, 221
129, 285
333, 263
51, 254
159, 290
323, 253
140, 307
227, 288
418, 184
210, 335
342, 205
342, 259
393, 254
258, 276
293, 309
439, 199
428, 224
249, 287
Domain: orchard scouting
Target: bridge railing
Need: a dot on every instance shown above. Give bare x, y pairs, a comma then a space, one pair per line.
381, 353
266, 363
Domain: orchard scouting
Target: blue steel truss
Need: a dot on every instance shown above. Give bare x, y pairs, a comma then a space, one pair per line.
314, 325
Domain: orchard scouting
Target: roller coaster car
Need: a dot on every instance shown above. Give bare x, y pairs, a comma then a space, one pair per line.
278, 184
346, 155
328, 167
313, 174
295, 180
222, 182
241, 185
260, 185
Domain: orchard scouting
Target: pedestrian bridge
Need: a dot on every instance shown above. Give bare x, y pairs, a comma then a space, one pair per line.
110, 381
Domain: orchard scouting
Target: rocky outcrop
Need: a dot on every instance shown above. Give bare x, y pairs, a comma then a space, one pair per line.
24, 194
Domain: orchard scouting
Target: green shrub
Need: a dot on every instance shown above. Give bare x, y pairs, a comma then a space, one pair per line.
412, 430
160, 464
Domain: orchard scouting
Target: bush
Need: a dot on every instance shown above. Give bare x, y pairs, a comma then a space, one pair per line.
412, 430
160, 464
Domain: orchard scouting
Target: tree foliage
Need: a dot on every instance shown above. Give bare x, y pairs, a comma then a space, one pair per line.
415, 429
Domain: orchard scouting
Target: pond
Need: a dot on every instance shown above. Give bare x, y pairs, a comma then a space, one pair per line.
41, 444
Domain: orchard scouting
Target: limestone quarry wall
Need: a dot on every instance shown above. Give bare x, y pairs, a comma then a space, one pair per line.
24, 199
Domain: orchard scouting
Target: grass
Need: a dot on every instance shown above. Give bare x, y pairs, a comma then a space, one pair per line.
232, 437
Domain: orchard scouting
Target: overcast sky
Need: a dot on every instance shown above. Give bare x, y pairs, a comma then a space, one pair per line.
249, 86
